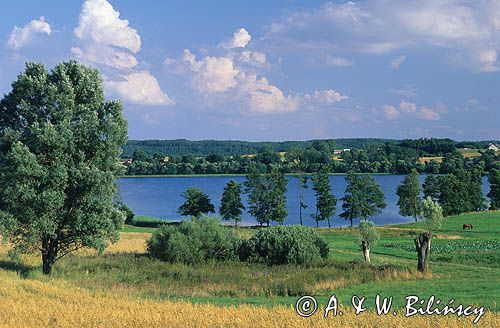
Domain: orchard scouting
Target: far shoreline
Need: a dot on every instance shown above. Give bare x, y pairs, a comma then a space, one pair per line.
231, 175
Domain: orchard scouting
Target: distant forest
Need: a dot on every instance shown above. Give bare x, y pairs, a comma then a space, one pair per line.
183, 157
180, 147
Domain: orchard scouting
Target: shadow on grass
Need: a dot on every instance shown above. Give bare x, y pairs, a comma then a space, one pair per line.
23, 270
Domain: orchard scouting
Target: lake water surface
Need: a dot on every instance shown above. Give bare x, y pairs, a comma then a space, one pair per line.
161, 197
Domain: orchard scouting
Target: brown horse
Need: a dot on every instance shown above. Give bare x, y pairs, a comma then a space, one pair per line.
467, 226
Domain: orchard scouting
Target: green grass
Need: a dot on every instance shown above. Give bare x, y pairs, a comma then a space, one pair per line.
464, 265
131, 228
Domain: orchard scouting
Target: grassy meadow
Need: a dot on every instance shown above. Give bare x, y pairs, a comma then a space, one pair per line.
124, 287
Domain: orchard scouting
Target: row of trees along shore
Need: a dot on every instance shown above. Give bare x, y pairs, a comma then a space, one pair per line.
456, 193
267, 198
433, 156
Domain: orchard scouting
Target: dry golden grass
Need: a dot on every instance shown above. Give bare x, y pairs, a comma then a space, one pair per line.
130, 242
55, 303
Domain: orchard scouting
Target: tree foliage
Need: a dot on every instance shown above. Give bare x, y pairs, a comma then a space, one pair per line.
196, 202
431, 187
284, 245
362, 198
409, 196
368, 236
266, 195
432, 214
60, 143
231, 205
194, 242
461, 192
326, 202
494, 194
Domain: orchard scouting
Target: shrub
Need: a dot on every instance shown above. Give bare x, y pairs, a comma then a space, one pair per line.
197, 241
284, 245
127, 212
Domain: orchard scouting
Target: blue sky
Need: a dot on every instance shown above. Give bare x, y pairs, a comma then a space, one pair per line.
275, 70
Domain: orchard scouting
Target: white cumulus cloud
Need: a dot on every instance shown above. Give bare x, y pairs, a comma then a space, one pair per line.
328, 96
99, 22
21, 36
108, 40
236, 79
428, 114
408, 107
139, 88
240, 39
211, 74
263, 97
99, 54
391, 112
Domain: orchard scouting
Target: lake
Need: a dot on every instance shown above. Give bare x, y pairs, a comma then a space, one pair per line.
161, 197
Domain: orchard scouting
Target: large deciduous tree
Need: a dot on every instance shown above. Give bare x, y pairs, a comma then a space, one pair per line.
302, 186
231, 205
409, 196
362, 198
266, 195
278, 183
258, 194
431, 187
60, 143
494, 194
326, 202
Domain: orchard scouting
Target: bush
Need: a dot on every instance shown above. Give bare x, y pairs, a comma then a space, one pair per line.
284, 245
127, 212
193, 242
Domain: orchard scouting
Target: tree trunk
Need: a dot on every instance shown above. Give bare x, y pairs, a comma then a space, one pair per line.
48, 260
300, 214
351, 222
366, 250
423, 248
329, 225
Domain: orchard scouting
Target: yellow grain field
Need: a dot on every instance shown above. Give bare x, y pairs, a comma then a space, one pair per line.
55, 303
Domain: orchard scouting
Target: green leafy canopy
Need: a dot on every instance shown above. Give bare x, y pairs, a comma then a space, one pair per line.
60, 143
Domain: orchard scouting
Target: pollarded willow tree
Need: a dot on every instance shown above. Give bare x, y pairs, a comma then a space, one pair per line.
60, 143
433, 218
368, 236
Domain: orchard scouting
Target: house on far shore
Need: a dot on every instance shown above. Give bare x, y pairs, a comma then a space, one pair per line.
494, 147
340, 151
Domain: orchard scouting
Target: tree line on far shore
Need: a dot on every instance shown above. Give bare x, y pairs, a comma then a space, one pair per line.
433, 156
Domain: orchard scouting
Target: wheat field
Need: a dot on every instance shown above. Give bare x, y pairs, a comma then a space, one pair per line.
56, 303
49, 302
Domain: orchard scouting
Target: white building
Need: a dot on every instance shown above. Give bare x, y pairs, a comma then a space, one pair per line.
493, 147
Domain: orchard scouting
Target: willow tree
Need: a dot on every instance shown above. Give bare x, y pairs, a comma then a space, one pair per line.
368, 236
60, 143
433, 218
